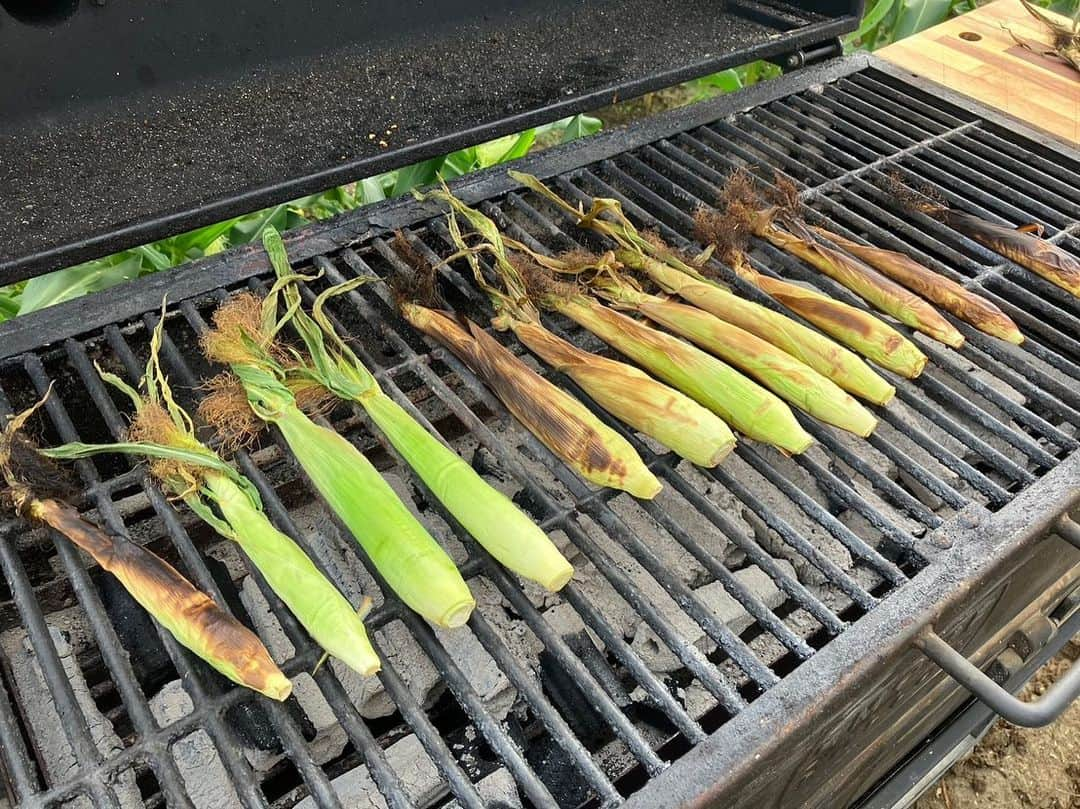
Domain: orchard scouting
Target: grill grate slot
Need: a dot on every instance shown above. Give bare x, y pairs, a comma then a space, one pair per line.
686, 609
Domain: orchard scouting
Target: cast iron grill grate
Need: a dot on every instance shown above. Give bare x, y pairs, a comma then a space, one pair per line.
686, 608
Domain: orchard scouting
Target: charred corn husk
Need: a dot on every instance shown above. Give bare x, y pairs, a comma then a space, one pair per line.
1020, 246
187, 613
946, 293
647, 405
564, 425
860, 278
850, 325
777, 370
673, 274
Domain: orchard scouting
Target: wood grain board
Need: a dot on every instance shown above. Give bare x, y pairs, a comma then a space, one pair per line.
975, 54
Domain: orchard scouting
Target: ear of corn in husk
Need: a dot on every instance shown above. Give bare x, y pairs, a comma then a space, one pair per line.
187, 613
1020, 246
741, 402
777, 370
632, 396
405, 554
946, 293
230, 504
850, 325
673, 274
485, 512
564, 425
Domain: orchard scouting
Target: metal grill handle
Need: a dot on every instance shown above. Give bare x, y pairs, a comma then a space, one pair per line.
1034, 714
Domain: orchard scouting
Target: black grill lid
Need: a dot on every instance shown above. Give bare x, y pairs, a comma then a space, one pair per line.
121, 122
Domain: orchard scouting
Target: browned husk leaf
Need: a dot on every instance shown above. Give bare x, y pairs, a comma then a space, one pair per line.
167, 595
225, 408
545, 409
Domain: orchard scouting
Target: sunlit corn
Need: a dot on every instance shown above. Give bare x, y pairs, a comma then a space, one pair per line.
946, 293
485, 512
405, 554
777, 370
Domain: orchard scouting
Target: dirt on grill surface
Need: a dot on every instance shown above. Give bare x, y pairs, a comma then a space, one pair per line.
1016, 767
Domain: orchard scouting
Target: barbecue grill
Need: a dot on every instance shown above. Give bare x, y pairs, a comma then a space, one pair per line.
777, 631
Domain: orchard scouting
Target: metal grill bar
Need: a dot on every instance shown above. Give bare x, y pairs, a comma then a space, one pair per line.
497, 649
16, 760
135, 701
953, 439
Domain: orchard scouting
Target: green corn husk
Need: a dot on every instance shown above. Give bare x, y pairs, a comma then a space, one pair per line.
187, 613
561, 422
849, 325
486, 513
946, 293
742, 403
409, 559
829, 359
864, 281
666, 268
230, 504
633, 397
777, 370
1018, 245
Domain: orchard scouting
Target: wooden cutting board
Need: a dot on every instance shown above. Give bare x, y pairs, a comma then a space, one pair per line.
975, 55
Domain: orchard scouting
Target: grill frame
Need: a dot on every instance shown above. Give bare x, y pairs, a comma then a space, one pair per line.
961, 552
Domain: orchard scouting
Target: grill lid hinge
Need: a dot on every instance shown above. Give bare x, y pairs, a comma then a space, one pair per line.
812, 55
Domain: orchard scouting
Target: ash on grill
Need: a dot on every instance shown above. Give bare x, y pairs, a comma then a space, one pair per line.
683, 609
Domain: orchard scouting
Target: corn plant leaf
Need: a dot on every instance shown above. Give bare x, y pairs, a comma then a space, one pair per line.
581, 126
873, 18
9, 305
503, 149
418, 174
726, 80
63, 285
918, 15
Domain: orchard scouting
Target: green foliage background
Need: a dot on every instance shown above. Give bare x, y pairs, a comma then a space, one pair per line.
884, 21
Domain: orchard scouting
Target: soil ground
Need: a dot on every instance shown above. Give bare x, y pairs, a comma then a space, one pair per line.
1016, 767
